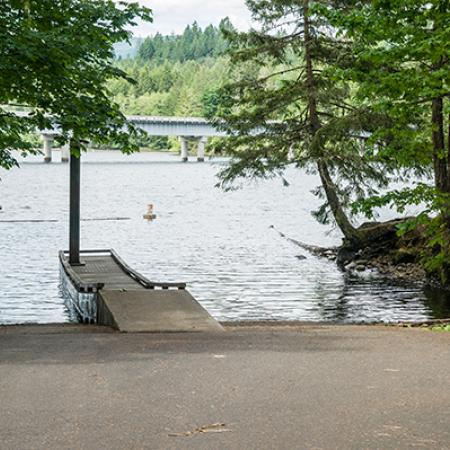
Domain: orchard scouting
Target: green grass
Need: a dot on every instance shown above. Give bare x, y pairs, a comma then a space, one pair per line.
441, 328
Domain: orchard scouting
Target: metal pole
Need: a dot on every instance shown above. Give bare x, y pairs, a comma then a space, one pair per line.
74, 223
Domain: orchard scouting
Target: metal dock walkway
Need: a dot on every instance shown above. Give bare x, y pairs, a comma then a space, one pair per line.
105, 290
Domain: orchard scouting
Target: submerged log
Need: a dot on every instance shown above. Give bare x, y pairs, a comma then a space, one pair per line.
324, 252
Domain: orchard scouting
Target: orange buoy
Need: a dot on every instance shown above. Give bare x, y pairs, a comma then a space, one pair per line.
149, 215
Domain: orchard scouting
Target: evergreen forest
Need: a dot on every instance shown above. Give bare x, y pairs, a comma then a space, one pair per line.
174, 75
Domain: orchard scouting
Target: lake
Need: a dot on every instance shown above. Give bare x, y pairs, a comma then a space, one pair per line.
221, 243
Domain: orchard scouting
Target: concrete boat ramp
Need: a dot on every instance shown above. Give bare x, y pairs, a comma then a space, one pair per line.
105, 290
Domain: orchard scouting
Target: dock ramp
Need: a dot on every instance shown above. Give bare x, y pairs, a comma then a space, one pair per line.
105, 290
154, 310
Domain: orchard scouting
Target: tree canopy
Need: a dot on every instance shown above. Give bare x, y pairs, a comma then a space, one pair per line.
297, 111
360, 90
192, 45
56, 56
401, 65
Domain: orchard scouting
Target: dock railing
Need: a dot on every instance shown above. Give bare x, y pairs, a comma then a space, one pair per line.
82, 286
148, 284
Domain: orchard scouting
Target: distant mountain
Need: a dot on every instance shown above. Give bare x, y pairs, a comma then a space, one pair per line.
127, 50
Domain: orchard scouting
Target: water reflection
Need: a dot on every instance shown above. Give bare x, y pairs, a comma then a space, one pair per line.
438, 302
220, 243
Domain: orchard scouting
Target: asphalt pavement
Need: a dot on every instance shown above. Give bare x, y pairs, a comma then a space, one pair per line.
259, 387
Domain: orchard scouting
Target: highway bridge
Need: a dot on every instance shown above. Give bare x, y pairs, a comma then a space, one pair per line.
185, 128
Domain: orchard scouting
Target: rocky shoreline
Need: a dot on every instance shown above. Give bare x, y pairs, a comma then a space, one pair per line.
395, 260
381, 266
385, 267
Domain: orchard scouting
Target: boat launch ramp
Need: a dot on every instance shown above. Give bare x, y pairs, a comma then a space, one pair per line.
103, 289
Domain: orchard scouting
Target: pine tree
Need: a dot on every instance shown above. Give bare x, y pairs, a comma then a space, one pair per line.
146, 50
193, 44
300, 112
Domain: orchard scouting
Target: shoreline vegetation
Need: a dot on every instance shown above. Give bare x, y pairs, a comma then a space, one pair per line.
197, 68
365, 105
398, 262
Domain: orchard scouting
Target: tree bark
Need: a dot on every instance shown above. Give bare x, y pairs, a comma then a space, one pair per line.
440, 158
343, 222
448, 145
350, 232
311, 85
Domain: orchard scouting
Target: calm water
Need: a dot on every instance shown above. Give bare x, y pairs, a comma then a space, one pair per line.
220, 243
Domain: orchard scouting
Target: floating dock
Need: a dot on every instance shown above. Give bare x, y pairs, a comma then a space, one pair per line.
105, 290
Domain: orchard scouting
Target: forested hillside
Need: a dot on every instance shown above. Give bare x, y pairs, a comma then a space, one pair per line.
175, 75
193, 44
169, 89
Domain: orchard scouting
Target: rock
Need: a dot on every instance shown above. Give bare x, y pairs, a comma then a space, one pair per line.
345, 255
300, 257
363, 262
404, 255
360, 268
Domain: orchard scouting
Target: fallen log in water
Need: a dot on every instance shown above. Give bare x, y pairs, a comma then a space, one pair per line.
323, 252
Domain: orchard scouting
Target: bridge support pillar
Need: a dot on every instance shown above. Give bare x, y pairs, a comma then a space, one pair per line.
291, 154
201, 149
65, 153
48, 144
184, 148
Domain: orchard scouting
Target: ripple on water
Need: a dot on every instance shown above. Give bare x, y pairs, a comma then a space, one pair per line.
220, 243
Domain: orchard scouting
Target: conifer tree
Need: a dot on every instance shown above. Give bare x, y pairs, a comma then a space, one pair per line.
193, 44
300, 112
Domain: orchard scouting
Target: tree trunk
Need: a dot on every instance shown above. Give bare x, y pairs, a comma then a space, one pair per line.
311, 85
440, 158
349, 231
448, 145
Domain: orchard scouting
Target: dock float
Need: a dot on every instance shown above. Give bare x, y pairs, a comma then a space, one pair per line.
106, 291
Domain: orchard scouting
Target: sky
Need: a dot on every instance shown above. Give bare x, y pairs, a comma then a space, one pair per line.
174, 15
